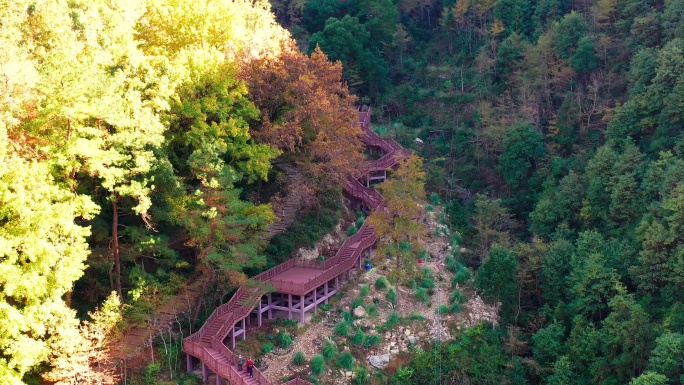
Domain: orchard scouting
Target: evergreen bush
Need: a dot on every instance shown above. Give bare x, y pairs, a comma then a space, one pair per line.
427, 283
341, 329
455, 308
298, 359
391, 296
372, 340
451, 263
461, 276
329, 349
457, 297
151, 372
317, 364
346, 361
392, 320
365, 289
371, 310
360, 376
283, 340
422, 295
358, 338
381, 283
356, 302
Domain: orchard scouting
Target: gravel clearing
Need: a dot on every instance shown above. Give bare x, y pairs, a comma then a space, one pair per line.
311, 335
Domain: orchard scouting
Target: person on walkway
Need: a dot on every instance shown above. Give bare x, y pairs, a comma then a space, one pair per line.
241, 362
250, 367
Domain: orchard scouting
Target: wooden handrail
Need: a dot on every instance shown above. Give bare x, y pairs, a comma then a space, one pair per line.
236, 308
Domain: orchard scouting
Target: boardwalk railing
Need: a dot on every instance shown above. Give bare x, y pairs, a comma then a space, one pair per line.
207, 343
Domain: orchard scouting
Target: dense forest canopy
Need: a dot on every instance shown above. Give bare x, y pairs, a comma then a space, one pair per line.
128, 133
553, 131
138, 141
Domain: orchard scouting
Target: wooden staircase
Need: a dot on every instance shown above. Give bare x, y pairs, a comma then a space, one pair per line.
287, 210
207, 343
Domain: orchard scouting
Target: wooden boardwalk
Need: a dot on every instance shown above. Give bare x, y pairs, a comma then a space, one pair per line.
294, 286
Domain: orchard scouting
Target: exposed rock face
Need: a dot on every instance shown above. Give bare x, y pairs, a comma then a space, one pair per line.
379, 361
359, 312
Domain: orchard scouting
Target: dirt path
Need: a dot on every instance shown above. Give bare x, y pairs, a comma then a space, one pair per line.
135, 339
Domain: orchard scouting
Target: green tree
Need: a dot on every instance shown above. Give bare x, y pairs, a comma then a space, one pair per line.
584, 346
612, 177
42, 253
523, 149
496, 281
592, 281
667, 357
584, 59
400, 235
562, 373
649, 378
558, 205
627, 337
81, 355
548, 343
555, 268
348, 41
493, 225
213, 151
509, 56
567, 34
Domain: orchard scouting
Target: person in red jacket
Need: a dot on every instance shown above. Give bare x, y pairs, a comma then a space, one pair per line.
250, 367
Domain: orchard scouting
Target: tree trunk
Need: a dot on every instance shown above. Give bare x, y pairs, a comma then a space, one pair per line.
397, 308
200, 301
115, 247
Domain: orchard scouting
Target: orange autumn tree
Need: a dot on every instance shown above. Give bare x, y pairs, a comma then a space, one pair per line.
307, 112
401, 236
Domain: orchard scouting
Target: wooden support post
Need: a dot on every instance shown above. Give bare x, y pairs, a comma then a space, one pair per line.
218, 380
270, 301
205, 373
232, 338
337, 284
315, 300
326, 292
259, 314
289, 306
189, 363
301, 305
244, 329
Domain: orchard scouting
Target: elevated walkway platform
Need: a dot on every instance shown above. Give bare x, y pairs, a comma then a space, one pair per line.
294, 286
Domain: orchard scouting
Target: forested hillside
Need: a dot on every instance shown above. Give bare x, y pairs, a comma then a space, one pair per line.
137, 144
553, 130
140, 144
